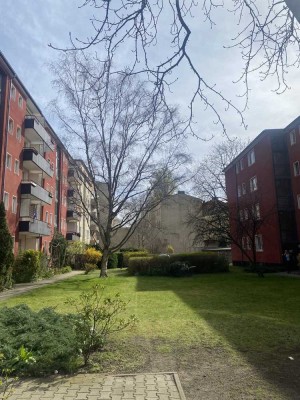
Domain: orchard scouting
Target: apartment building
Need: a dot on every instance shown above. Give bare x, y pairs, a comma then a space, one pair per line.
263, 184
80, 195
33, 167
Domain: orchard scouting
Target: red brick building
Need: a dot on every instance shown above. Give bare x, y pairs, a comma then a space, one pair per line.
33, 167
263, 185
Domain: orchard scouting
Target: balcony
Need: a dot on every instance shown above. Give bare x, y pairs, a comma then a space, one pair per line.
36, 133
34, 227
30, 190
73, 216
73, 236
36, 163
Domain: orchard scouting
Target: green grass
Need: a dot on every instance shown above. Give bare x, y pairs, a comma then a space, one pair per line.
236, 310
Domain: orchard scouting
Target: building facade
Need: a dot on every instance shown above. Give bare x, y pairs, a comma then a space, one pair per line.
34, 167
263, 190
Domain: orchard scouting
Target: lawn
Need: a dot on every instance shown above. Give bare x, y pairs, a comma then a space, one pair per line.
226, 334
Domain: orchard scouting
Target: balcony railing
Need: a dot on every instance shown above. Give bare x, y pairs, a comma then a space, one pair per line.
35, 132
73, 236
30, 190
73, 215
34, 227
34, 162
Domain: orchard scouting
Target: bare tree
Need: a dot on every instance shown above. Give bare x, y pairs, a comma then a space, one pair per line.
124, 136
267, 36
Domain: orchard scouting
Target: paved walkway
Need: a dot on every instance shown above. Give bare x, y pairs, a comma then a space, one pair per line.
159, 386
21, 288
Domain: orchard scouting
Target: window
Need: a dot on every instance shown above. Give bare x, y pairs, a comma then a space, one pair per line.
251, 157
253, 184
296, 168
6, 200
11, 126
51, 219
13, 92
248, 243
242, 164
244, 188
46, 217
14, 205
298, 200
241, 213
258, 243
19, 134
246, 214
17, 166
239, 191
237, 167
257, 211
293, 137
20, 102
8, 161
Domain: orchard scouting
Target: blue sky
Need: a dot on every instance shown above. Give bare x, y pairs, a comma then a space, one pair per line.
28, 26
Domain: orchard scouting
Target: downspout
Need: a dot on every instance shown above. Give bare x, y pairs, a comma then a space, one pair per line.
6, 137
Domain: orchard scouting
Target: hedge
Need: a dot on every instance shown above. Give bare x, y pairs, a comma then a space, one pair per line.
178, 264
133, 254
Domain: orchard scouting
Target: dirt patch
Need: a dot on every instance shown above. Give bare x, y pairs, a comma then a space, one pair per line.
207, 373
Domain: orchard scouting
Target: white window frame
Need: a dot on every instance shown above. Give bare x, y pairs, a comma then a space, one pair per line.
258, 243
296, 167
13, 92
46, 217
293, 137
244, 188
239, 192
257, 211
242, 164
17, 162
298, 201
14, 205
20, 101
19, 136
51, 219
8, 157
253, 184
11, 123
248, 243
6, 200
237, 167
251, 157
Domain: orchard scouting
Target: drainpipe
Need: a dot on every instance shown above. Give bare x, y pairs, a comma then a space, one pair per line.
6, 135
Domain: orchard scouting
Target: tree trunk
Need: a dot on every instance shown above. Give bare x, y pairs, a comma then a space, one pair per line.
104, 260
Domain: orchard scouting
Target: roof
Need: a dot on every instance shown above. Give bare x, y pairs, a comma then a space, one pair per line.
258, 138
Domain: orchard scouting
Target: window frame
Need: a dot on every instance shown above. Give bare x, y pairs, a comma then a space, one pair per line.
239, 191
19, 129
244, 188
13, 92
6, 203
17, 162
10, 120
20, 104
8, 156
258, 240
253, 187
14, 205
293, 138
251, 157
296, 167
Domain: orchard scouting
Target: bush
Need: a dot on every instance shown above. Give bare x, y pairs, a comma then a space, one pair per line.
132, 254
58, 250
6, 252
27, 266
89, 267
178, 264
112, 261
48, 336
66, 269
92, 256
120, 256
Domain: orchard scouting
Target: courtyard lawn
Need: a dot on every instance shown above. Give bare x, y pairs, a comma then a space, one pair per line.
210, 327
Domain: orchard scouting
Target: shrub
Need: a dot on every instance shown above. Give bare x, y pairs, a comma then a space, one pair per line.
132, 254
6, 252
47, 335
89, 267
169, 249
75, 252
92, 256
120, 256
112, 261
97, 318
58, 250
27, 266
66, 269
178, 264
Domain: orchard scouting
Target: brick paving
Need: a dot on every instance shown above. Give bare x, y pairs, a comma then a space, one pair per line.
158, 386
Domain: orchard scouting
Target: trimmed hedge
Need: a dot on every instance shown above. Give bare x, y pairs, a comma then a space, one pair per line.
178, 264
133, 254
112, 261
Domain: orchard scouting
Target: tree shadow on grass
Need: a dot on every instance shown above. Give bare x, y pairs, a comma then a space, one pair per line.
258, 318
